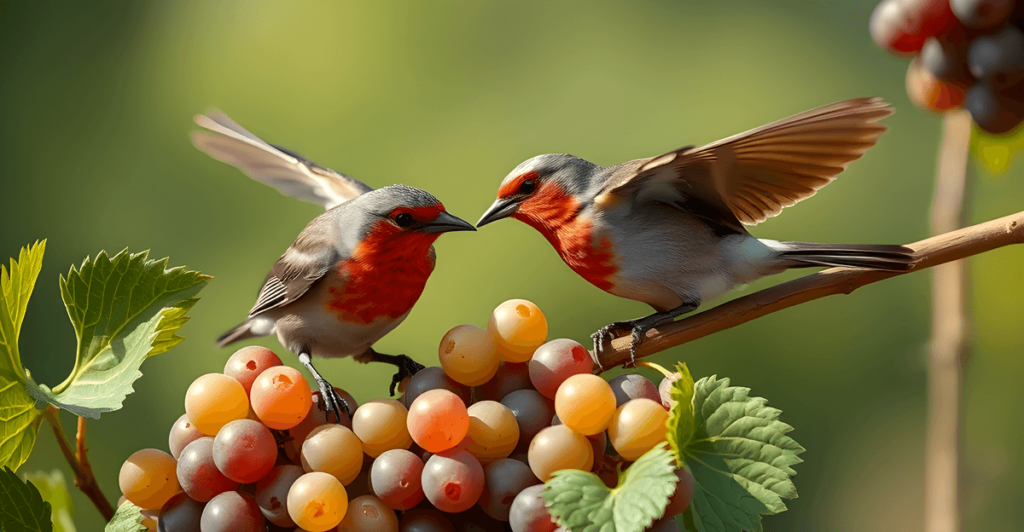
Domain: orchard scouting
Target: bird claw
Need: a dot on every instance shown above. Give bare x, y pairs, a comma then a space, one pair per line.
407, 367
331, 401
610, 332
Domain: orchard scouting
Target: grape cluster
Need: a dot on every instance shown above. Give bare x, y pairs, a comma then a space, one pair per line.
465, 448
967, 53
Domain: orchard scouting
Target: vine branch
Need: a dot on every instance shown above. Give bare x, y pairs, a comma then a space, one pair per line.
947, 247
79, 462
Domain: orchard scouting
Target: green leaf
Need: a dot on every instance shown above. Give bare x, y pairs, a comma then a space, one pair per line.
54, 491
681, 422
740, 457
22, 509
124, 309
19, 419
581, 502
127, 518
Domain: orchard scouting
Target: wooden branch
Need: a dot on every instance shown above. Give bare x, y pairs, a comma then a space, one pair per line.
940, 249
949, 335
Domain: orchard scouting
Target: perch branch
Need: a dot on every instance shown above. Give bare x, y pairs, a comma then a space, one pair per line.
949, 335
84, 478
939, 249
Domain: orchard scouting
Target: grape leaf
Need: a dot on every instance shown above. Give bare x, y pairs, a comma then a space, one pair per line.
19, 419
22, 509
681, 422
124, 309
740, 457
581, 502
54, 490
127, 518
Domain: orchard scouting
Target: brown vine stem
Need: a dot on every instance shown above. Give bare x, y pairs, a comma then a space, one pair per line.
937, 250
84, 478
949, 335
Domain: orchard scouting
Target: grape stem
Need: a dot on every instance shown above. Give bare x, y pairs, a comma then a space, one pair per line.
79, 462
941, 249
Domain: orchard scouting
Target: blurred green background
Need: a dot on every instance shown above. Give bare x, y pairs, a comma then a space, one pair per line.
97, 101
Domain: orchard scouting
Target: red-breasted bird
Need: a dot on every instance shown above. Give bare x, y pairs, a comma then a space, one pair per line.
668, 230
353, 274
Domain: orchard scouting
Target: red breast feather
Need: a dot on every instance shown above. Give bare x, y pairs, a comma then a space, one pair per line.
385, 274
555, 214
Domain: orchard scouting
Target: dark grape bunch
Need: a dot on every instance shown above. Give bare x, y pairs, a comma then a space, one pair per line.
966, 53
466, 448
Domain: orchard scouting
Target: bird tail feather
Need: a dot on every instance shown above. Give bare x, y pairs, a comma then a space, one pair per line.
241, 332
877, 257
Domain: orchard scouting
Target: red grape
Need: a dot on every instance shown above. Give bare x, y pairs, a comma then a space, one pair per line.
503, 480
198, 474
272, 493
396, 479
232, 511
529, 512
248, 362
244, 450
453, 481
556, 361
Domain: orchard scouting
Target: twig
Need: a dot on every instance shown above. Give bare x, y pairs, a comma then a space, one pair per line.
940, 249
949, 335
84, 478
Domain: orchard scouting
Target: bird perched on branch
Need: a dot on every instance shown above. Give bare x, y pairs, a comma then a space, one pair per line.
353, 274
668, 230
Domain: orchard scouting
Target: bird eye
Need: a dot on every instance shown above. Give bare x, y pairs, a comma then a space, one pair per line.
404, 219
528, 186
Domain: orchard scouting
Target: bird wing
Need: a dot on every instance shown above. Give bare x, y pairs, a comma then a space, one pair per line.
294, 273
285, 170
750, 177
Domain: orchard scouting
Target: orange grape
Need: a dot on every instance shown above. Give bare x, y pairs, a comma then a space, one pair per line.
585, 403
559, 447
281, 397
519, 328
468, 355
368, 514
248, 362
493, 431
437, 420
638, 425
149, 479
317, 502
333, 449
214, 400
381, 425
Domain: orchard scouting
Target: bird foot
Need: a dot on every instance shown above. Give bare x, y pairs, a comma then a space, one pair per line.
331, 401
407, 367
608, 333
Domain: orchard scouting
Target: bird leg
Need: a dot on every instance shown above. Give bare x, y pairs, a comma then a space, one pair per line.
407, 367
638, 328
331, 400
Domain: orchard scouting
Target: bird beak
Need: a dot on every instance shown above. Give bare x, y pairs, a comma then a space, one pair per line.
445, 223
501, 208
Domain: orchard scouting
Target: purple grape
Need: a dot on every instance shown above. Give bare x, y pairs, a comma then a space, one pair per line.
632, 386
424, 520
433, 378
529, 513
1002, 53
272, 493
198, 474
232, 512
991, 110
182, 433
180, 514
981, 13
665, 525
503, 480
395, 478
244, 450
509, 378
453, 481
533, 412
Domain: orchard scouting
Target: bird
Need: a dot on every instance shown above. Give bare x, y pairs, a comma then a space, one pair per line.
669, 231
354, 272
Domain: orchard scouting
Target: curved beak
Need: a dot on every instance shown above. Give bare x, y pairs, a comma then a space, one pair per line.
445, 223
501, 208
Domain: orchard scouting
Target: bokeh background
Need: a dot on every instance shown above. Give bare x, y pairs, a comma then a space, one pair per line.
96, 103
